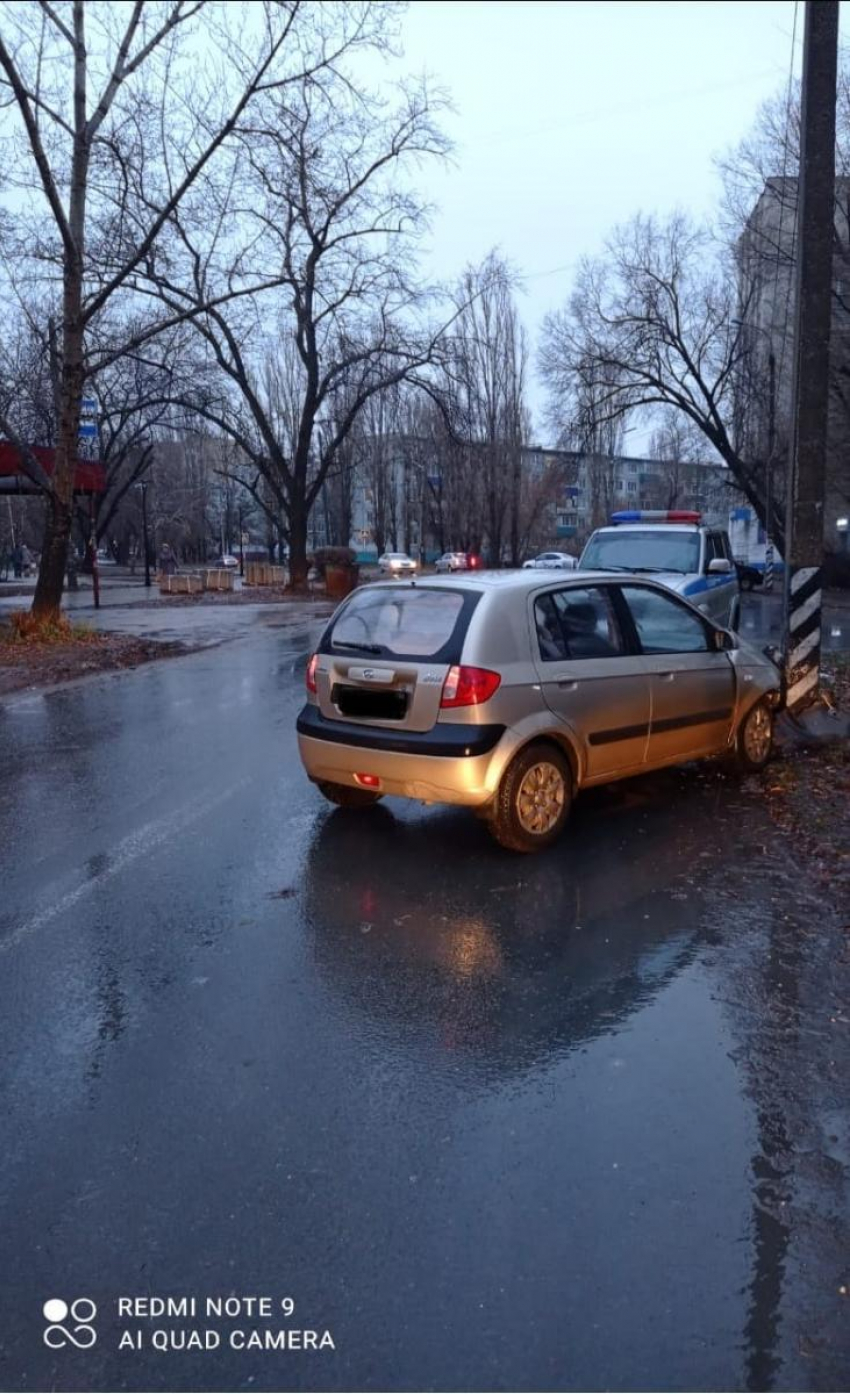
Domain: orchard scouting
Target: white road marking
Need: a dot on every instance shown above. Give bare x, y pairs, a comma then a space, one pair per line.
136, 844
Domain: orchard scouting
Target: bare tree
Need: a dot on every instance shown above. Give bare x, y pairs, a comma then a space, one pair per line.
485, 392
113, 123
759, 212
327, 229
657, 322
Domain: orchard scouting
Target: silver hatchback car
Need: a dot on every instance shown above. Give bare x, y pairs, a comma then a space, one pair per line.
511, 691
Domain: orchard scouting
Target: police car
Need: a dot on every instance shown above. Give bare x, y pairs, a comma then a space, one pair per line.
675, 548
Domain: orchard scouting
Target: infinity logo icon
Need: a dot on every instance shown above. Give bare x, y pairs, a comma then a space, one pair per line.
82, 1312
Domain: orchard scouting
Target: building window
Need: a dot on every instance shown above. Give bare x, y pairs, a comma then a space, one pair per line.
632, 486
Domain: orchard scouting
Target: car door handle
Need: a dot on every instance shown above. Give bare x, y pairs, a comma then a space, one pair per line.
567, 684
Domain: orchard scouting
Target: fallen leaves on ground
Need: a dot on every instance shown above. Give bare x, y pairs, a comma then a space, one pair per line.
808, 794
65, 652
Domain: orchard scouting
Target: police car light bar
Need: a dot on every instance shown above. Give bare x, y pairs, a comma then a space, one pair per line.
655, 515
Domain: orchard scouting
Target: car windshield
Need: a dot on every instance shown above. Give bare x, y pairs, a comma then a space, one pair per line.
401, 623
646, 550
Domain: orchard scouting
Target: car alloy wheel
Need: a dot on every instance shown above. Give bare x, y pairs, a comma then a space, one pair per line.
533, 800
540, 799
757, 735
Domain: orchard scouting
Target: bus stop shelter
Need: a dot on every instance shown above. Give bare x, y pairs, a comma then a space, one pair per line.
90, 476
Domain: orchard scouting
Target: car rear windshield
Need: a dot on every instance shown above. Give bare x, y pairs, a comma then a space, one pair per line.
403, 623
648, 550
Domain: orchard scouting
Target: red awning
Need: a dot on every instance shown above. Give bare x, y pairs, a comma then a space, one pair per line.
90, 477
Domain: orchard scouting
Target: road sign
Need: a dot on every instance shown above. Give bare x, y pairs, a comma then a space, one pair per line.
89, 406
88, 429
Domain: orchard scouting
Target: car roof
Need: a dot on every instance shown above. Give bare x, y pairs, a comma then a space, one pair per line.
519, 580
657, 527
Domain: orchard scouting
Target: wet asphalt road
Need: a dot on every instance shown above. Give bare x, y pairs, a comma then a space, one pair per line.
493, 1122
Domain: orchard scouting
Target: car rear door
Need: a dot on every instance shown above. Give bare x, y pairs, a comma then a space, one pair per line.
384, 658
692, 683
589, 678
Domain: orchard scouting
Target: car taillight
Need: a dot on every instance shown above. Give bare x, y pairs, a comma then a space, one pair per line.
468, 687
310, 677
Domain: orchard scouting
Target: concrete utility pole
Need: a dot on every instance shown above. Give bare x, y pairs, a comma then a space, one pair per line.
806, 482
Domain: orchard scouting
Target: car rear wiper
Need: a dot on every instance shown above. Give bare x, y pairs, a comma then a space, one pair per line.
359, 648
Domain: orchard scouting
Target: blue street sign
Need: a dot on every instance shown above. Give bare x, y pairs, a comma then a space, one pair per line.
88, 406
88, 429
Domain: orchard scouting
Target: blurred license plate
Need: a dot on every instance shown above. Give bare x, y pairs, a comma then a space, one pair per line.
364, 701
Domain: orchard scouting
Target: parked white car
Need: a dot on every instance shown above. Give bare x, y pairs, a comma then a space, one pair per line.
396, 564
551, 561
452, 561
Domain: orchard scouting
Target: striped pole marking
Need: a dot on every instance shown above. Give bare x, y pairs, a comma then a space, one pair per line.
767, 583
802, 663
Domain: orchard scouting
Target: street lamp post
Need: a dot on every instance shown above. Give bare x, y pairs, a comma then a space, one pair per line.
241, 545
144, 488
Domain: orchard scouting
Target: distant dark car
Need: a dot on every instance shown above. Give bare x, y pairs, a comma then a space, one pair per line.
748, 576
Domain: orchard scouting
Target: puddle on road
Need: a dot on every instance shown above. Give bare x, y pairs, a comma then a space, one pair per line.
615, 1001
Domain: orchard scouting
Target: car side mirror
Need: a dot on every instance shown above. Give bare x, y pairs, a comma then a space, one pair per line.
724, 642
719, 566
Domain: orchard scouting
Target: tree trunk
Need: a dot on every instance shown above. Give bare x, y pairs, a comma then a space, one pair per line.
54, 556
298, 545
516, 489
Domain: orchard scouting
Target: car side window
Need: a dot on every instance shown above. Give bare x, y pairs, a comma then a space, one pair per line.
577, 623
663, 625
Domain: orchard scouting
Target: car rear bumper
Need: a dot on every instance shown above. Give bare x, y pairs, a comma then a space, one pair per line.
452, 763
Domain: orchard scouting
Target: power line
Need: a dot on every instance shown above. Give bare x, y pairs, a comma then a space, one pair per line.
624, 108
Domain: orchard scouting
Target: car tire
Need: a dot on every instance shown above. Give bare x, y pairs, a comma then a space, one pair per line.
344, 796
746, 583
754, 739
536, 788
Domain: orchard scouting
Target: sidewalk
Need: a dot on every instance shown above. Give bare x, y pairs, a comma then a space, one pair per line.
135, 625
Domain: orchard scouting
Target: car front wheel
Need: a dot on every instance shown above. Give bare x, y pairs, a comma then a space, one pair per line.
344, 796
754, 740
533, 800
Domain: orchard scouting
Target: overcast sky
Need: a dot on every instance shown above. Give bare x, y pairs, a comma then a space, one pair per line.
571, 117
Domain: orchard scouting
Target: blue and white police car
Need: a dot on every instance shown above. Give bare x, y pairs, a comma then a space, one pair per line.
676, 548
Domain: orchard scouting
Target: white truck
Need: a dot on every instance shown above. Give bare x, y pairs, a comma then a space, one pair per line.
749, 546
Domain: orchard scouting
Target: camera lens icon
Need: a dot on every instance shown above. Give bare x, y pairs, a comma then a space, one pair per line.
80, 1333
